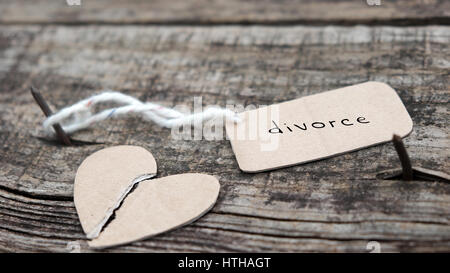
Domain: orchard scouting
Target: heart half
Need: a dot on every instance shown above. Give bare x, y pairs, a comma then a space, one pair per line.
104, 179
159, 205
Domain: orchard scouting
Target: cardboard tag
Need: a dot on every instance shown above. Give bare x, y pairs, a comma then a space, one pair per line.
318, 126
104, 179
159, 205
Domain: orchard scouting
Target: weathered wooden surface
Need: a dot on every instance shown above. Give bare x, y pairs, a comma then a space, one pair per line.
226, 11
336, 204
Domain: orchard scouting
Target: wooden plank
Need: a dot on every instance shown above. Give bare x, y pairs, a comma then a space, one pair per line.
226, 12
336, 204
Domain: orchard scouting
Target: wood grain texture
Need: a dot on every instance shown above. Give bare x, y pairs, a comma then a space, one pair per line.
336, 204
226, 12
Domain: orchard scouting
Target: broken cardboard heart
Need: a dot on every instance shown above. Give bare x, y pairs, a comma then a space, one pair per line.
318, 126
103, 185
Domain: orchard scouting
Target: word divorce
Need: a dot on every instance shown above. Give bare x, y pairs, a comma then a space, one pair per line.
284, 127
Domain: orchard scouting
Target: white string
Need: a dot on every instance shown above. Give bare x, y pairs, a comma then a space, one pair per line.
80, 116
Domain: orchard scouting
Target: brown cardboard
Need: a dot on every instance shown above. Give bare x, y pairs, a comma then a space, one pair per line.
159, 205
104, 179
318, 126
